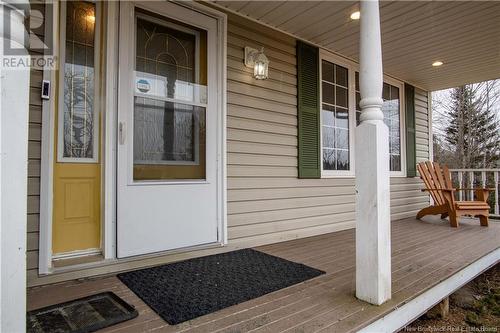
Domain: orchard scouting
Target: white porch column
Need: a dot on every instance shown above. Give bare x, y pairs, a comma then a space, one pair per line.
373, 242
14, 86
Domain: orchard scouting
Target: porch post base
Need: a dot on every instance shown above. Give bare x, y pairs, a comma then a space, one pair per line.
373, 243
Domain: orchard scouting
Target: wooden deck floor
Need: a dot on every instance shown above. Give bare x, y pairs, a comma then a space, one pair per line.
423, 254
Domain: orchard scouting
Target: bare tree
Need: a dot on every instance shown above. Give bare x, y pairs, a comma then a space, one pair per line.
466, 125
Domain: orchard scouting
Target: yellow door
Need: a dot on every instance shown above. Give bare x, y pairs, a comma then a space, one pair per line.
77, 207
76, 223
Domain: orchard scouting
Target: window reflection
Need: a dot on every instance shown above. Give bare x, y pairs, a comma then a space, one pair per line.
166, 131
392, 118
335, 117
391, 111
170, 100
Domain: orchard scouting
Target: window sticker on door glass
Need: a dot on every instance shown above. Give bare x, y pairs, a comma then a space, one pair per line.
151, 85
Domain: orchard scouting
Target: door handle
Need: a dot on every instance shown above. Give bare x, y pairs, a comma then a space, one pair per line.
121, 133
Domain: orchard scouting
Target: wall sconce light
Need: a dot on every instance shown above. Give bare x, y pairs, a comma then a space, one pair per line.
258, 60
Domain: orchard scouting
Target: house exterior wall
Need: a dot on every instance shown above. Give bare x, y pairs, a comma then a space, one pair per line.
266, 201
34, 165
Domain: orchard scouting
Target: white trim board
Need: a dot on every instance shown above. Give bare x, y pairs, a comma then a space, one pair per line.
48, 154
410, 311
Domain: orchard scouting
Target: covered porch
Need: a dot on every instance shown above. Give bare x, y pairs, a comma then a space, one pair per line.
262, 163
429, 261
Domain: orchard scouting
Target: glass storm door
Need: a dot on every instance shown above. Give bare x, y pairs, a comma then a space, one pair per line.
167, 163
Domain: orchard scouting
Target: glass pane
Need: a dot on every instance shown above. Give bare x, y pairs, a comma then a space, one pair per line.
342, 118
341, 138
341, 97
394, 93
395, 163
170, 63
394, 143
391, 111
327, 71
328, 137
341, 75
78, 100
386, 92
328, 115
167, 140
329, 159
170, 98
328, 93
342, 160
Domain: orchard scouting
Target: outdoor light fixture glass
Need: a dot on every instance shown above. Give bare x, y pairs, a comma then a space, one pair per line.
258, 60
356, 15
90, 18
437, 63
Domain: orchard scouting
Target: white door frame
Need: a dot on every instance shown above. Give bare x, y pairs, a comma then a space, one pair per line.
47, 152
110, 103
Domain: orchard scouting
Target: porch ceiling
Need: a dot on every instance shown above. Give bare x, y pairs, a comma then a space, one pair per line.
465, 35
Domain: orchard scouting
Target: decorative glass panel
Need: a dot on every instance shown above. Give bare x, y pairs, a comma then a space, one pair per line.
335, 117
79, 121
170, 100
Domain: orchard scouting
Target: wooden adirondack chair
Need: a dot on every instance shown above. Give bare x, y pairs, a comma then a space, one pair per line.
438, 182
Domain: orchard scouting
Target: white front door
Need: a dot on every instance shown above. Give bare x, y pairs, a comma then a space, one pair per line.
167, 165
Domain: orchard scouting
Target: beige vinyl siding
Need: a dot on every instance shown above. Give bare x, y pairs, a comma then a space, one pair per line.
422, 125
34, 155
266, 202
34, 159
406, 195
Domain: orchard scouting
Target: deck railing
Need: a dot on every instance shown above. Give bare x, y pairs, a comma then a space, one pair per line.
470, 178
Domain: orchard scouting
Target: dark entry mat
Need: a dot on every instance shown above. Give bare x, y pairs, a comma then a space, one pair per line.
83, 315
188, 289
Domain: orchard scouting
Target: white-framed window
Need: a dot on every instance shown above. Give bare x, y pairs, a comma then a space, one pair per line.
78, 105
394, 118
337, 137
340, 112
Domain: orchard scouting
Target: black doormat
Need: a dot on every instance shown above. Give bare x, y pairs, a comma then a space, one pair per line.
87, 314
188, 289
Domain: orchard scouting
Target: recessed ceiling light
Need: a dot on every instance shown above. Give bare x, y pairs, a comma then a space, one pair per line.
356, 15
437, 63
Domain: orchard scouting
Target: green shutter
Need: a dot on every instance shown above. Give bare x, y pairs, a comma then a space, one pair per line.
308, 110
411, 154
